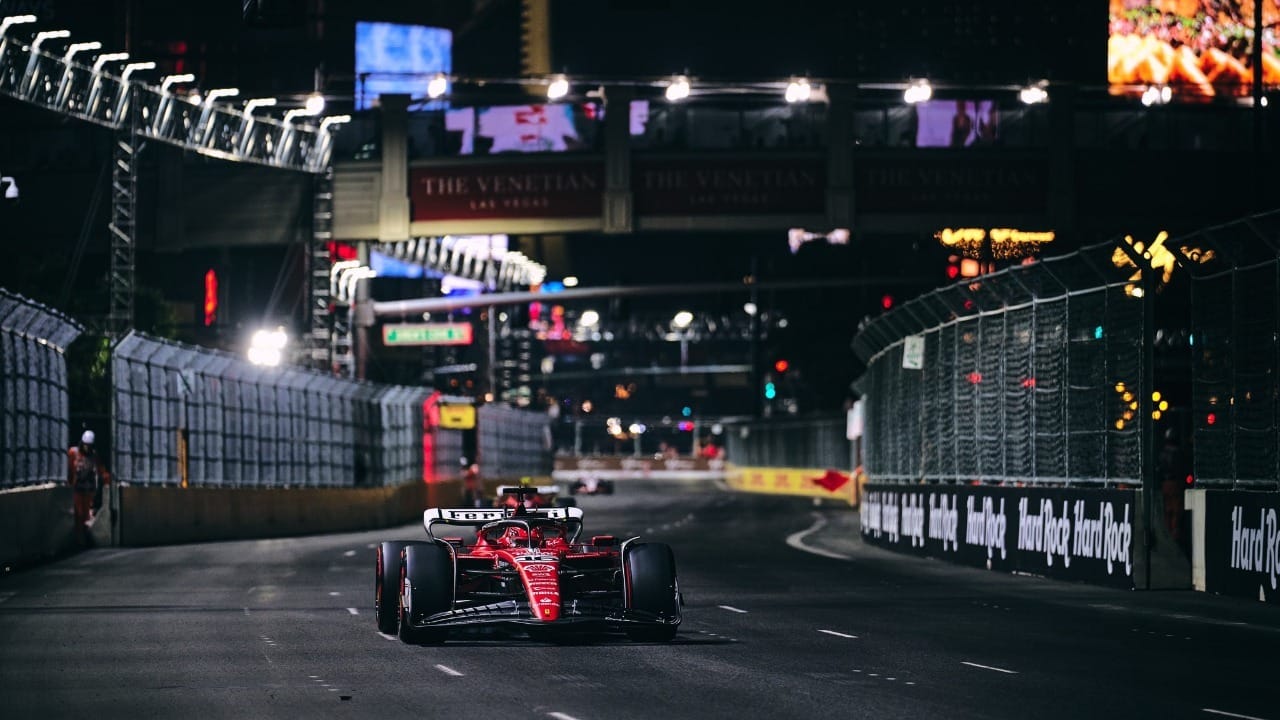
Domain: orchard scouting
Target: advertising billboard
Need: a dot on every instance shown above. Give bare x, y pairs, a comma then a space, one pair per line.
398, 59
1200, 49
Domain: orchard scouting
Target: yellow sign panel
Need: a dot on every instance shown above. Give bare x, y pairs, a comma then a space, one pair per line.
457, 417
821, 483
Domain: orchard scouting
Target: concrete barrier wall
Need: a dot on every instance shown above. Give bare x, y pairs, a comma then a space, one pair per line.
35, 524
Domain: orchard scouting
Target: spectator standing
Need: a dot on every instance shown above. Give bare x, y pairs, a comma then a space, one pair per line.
86, 476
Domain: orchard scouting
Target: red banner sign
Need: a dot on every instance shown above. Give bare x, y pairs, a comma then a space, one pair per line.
729, 186
515, 190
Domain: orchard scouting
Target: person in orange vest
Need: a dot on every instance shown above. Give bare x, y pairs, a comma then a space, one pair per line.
86, 476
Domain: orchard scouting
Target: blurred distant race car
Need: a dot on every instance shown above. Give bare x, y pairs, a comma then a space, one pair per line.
536, 497
591, 486
527, 569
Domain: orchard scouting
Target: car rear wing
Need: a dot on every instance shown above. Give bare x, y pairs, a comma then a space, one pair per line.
475, 517
540, 489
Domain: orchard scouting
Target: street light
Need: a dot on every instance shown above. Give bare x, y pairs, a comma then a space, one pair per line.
314, 104
132, 68
678, 89
798, 90
169, 81
12, 20
682, 320
917, 92
438, 85
589, 318
267, 347
47, 35
1033, 94
75, 48
558, 88
251, 105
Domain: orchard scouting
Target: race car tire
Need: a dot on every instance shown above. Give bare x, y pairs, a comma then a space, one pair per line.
386, 598
652, 587
426, 588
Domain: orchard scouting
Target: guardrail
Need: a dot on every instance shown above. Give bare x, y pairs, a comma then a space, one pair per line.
33, 391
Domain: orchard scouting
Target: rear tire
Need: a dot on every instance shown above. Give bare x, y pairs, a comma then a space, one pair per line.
426, 588
651, 578
386, 591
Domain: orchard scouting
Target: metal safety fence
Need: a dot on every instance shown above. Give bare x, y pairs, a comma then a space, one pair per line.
33, 391
1029, 375
188, 415
1235, 352
513, 443
809, 443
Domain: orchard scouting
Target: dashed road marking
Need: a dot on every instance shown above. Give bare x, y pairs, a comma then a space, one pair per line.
796, 540
731, 608
1230, 714
988, 667
349, 553
839, 634
353, 611
448, 671
334, 594
561, 716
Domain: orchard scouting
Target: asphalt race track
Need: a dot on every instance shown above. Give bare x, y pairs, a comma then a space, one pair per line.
285, 629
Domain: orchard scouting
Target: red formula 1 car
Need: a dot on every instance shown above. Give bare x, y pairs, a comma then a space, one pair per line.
524, 568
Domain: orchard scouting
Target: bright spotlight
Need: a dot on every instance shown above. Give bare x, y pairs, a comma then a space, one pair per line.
438, 85
798, 91
267, 347
314, 104
917, 92
682, 319
750, 308
558, 88
678, 89
571, 281
1033, 94
589, 318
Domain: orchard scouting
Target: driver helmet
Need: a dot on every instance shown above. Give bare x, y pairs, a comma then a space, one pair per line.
513, 536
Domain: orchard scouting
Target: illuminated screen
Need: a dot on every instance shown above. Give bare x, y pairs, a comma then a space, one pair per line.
956, 123
517, 128
1198, 52
398, 59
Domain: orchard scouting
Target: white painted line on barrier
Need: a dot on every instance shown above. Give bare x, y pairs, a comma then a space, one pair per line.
796, 540
353, 611
839, 634
731, 608
988, 667
561, 716
1230, 714
448, 671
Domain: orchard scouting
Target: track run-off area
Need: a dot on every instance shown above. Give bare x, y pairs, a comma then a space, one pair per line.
787, 615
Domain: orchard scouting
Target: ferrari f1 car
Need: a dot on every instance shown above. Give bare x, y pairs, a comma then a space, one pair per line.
526, 569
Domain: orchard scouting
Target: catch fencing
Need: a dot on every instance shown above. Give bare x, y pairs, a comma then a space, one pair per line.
1029, 375
810, 443
1235, 352
33, 391
187, 415
513, 443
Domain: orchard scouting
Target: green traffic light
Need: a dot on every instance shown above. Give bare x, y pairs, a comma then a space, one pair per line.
770, 391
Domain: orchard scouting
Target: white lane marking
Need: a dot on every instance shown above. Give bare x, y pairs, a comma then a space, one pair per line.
988, 667
334, 594
6, 596
796, 540
839, 634
246, 611
1229, 714
561, 716
349, 553
910, 683
389, 637
448, 671
731, 608
353, 611
371, 545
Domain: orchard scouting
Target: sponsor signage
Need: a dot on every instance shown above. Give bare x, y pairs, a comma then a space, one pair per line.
819, 483
457, 417
951, 182
729, 186
426, 334
1242, 544
517, 190
1063, 533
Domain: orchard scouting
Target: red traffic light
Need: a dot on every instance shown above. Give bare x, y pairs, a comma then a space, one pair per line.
886, 302
210, 297
781, 366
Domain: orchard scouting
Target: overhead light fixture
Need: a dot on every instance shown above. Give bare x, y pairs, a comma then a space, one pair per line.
12, 20
798, 90
571, 281
1156, 95
437, 86
267, 347
74, 48
220, 93
314, 104
132, 68
250, 105
1034, 94
169, 81
105, 58
917, 92
678, 89
334, 120
589, 318
682, 319
750, 308
558, 88
47, 35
